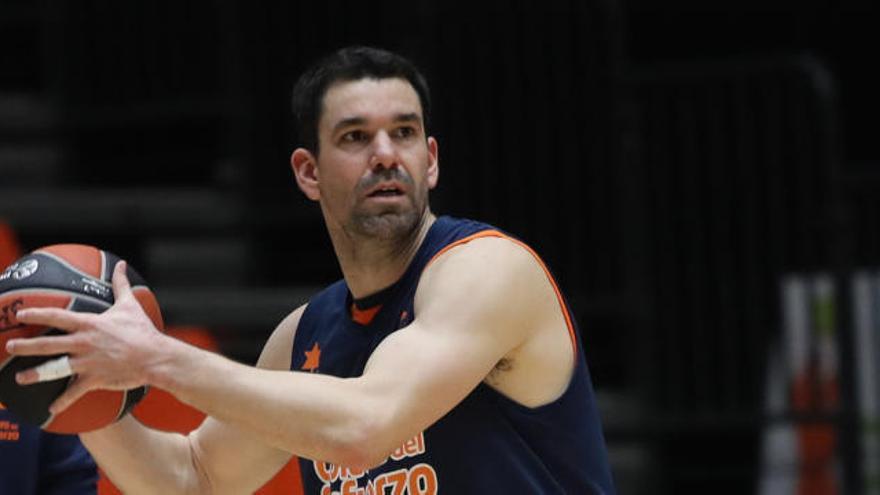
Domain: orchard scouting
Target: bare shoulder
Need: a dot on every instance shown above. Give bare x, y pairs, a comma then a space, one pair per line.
276, 352
499, 287
491, 272
498, 249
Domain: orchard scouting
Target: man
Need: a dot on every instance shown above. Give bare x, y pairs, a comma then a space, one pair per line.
445, 360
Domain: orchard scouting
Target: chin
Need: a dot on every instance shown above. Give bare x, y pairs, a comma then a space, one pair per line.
386, 225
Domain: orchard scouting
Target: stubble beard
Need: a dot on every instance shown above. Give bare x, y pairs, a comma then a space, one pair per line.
391, 224
387, 226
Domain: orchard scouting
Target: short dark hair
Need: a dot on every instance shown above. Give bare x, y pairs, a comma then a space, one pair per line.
350, 64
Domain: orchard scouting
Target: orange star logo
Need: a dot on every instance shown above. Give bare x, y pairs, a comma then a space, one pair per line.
313, 357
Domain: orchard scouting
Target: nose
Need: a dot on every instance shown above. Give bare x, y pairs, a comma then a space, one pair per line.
384, 153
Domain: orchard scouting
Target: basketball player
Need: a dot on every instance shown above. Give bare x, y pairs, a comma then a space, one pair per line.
445, 360
35, 462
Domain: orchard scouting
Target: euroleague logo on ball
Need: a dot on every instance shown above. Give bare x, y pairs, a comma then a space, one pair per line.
7, 315
21, 270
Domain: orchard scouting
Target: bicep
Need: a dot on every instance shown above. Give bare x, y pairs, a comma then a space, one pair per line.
471, 310
418, 374
232, 459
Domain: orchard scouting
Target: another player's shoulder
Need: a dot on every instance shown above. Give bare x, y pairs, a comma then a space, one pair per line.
276, 352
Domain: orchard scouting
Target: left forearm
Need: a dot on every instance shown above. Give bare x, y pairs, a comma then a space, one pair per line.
311, 415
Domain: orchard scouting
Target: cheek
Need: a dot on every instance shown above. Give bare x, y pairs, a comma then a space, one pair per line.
338, 188
335, 202
332, 192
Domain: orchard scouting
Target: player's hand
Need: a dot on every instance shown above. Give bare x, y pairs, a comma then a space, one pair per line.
112, 350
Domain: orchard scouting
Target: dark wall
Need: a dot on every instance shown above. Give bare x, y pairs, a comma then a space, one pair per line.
671, 161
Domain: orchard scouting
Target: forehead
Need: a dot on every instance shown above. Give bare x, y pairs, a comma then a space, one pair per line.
369, 99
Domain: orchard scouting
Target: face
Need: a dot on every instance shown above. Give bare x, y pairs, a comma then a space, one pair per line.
375, 165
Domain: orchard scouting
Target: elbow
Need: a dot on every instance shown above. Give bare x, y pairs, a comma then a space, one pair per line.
361, 447
359, 459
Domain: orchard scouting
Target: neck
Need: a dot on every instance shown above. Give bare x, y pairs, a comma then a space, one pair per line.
370, 265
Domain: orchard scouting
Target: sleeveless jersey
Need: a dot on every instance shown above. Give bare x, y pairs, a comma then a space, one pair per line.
36, 462
488, 443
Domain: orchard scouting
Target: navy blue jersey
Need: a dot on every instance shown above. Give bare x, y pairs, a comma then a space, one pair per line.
488, 443
35, 462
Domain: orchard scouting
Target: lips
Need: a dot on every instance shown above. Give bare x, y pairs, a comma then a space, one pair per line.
389, 189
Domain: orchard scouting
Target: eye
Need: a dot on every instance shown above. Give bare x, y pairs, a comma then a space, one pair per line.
404, 132
355, 136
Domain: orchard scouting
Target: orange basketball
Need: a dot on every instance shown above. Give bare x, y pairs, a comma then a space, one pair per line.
76, 277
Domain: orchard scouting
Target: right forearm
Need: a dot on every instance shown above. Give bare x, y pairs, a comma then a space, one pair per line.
141, 460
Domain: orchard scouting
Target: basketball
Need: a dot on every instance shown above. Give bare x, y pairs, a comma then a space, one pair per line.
75, 277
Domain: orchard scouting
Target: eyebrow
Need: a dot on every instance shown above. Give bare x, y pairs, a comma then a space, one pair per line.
407, 117
356, 121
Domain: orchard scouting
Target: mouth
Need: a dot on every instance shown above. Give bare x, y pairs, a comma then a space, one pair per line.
386, 191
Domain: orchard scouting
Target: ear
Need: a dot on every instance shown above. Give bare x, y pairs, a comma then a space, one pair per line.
305, 169
433, 163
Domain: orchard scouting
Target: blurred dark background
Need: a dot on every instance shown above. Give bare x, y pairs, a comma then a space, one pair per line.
672, 161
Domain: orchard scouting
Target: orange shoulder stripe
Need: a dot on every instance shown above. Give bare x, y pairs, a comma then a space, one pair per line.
495, 233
